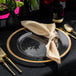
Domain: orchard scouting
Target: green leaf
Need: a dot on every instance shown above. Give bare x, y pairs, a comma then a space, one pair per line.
33, 3
3, 1
1, 9
19, 4
11, 4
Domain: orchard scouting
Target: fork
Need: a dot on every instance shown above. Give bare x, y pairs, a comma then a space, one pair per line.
4, 55
5, 64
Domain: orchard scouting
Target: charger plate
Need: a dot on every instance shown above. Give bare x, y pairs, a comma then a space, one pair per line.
28, 47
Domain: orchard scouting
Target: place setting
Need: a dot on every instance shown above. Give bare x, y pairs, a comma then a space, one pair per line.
37, 42
35, 46
31, 45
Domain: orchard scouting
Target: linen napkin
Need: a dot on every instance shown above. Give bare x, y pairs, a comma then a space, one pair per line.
48, 31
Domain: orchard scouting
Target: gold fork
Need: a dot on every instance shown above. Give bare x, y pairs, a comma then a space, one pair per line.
4, 55
5, 64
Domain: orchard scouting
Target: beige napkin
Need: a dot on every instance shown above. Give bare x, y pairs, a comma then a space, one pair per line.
48, 31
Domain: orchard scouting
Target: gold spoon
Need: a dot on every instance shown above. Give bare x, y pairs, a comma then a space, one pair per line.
68, 28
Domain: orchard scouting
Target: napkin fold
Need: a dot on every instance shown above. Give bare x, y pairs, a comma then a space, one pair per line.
48, 31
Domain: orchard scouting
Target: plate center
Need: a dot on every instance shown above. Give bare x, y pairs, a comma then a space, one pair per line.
31, 45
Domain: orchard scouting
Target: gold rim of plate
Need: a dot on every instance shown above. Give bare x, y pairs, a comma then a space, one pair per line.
32, 61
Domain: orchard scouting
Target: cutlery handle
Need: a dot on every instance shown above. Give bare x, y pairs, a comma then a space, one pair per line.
8, 68
74, 32
13, 64
68, 33
71, 35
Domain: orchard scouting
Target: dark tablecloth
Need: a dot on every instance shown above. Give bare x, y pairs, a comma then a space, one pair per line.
66, 68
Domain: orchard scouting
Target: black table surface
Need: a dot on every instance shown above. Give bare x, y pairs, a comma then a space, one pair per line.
66, 68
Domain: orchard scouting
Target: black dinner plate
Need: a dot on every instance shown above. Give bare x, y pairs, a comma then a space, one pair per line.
28, 47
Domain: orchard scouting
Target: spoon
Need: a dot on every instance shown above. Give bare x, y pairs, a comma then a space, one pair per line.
68, 28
